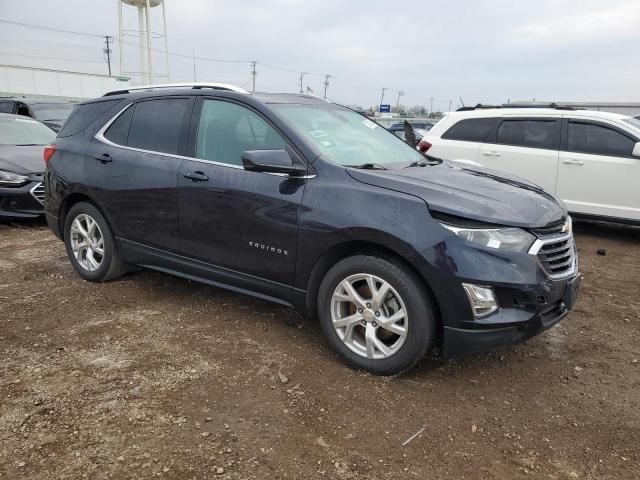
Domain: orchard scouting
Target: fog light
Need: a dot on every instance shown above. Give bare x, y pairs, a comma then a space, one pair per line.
482, 300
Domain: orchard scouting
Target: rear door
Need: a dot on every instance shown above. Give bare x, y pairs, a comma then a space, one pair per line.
597, 174
241, 227
134, 168
462, 140
526, 147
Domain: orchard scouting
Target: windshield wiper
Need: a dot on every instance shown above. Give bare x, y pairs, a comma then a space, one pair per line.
368, 166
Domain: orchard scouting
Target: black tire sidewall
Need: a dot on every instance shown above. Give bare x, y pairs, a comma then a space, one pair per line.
422, 323
109, 243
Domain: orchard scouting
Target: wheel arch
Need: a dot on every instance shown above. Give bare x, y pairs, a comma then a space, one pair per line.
72, 199
350, 248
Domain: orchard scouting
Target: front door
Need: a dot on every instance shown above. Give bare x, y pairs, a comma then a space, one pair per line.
597, 174
133, 172
238, 227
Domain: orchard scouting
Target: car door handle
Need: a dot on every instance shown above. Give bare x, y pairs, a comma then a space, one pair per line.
196, 176
572, 161
103, 157
491, 153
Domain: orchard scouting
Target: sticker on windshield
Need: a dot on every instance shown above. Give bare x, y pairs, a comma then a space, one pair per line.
327, 143
368, 123
24, 120
318, 134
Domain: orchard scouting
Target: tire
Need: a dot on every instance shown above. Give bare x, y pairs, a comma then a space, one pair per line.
419, 323
94, 267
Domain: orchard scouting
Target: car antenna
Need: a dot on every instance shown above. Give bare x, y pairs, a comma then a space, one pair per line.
461, 101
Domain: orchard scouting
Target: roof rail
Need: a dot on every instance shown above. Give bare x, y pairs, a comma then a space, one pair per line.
215, 86
480, 106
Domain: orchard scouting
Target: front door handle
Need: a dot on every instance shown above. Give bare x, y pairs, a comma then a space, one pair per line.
572, 161
103, 157
491, 153
196, 176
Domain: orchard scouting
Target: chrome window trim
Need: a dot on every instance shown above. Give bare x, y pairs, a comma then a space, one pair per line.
101, 138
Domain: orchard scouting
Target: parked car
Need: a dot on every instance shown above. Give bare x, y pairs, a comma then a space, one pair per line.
309, 204
418, 132
52, 113
420, 128
589, 159
22, 141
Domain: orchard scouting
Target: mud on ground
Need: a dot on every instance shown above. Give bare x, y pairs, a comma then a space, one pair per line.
155, 376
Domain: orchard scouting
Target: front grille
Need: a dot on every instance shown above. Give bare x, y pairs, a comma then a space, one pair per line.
38, 193
557, 254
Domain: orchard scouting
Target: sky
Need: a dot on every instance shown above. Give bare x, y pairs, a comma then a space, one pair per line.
489, 51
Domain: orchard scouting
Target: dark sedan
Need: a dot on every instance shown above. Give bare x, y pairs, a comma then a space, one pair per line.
22, 142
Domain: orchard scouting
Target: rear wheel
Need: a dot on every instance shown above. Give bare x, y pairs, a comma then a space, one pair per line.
376, 314
90, 244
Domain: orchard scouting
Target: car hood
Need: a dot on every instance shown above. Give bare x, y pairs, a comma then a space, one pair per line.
22, 159
472, 192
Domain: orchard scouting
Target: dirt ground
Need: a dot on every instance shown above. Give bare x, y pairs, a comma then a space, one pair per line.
155, 376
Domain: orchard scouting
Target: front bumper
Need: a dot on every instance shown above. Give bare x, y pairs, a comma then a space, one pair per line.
25, 202
529, 299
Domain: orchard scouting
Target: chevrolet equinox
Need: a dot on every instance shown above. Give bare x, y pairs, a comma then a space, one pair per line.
309, 204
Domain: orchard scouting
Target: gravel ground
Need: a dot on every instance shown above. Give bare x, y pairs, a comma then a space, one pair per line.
152, 375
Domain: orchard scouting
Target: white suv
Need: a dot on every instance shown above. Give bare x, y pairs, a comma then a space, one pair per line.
589, 159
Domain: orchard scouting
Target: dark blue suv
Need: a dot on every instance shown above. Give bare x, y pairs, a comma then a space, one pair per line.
309, 204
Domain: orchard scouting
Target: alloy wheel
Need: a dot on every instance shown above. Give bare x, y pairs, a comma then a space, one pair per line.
87, 242
369, 316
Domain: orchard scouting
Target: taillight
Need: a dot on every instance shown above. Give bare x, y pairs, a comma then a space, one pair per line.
424, 146
49, 150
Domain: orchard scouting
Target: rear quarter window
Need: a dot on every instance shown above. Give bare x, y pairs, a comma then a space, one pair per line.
470, 129
83, 115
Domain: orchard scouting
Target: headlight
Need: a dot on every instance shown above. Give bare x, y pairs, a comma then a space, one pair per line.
8, 179
513, 239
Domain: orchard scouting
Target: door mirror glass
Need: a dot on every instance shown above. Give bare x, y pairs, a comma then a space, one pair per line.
636, 150
270, 161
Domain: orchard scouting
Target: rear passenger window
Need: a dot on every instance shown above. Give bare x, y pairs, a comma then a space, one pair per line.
470, 130
119, 129
226, 130
528, 133
6, 107
159, 125
83, 115
598, 140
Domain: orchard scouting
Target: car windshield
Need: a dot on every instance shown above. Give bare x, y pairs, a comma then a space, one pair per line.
23, 131
346, 137
633, 121
52, 111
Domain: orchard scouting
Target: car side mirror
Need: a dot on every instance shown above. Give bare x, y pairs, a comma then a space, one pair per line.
271, 161
636, 150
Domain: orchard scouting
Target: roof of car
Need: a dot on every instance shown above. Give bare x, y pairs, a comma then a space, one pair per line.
528, 111
35, 100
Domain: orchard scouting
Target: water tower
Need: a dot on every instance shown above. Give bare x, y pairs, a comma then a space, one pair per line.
151, 36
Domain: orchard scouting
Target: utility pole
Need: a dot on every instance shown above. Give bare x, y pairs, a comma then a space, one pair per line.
253, 75
398, 101
450, 105
326, 84
302, 74
107, 50
384, 89
195, 75
431, 107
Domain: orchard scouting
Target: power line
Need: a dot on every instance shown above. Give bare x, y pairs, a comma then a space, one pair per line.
50, 29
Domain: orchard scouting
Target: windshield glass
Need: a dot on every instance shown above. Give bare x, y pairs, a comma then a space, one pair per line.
633, 121
22, 131
346, 137
52, 111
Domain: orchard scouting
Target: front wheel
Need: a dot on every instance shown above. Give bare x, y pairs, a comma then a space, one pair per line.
376, 314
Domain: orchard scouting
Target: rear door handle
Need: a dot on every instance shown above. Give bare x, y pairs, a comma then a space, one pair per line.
572, 161
103, 157
491, 153
196, 176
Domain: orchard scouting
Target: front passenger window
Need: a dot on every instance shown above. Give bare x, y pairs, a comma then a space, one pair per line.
597, 140
226, 130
